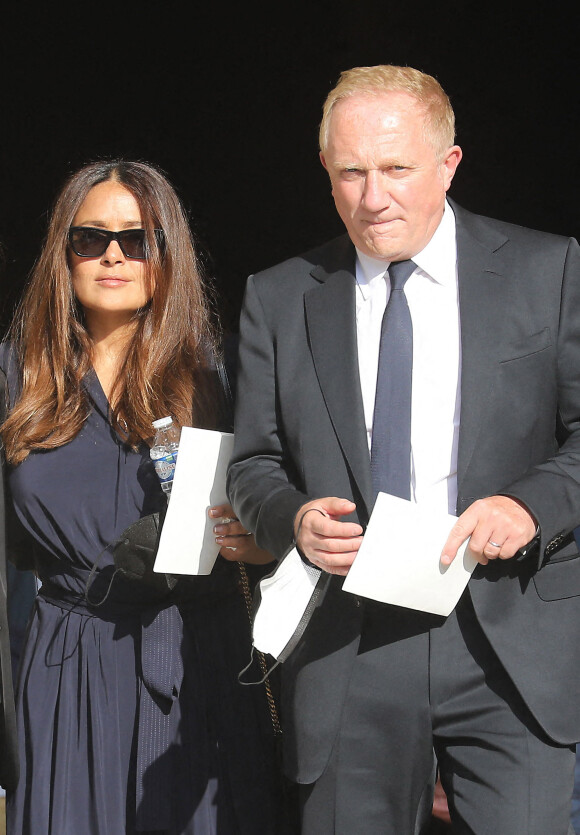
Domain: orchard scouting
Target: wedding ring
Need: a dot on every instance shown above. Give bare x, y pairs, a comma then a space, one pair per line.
495, 544
225, 520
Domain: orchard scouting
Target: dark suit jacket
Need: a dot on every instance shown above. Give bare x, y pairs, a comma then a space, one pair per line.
8, 747
300, 435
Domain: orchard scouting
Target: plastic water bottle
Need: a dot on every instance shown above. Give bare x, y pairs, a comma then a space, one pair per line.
164, 451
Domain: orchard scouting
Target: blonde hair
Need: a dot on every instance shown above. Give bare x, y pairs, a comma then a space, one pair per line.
387, 78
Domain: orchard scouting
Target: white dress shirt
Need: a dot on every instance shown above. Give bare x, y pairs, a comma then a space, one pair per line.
432, 296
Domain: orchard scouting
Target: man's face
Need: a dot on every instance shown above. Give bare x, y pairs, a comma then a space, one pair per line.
387, 182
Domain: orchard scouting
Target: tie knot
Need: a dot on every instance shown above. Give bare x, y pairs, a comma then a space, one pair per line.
399, 272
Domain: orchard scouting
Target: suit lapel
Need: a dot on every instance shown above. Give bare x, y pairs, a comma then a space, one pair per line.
482, 305
331, 326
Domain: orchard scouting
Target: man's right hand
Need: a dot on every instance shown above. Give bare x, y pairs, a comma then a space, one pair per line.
327, 542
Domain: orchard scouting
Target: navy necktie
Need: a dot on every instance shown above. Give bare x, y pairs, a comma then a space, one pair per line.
391, 440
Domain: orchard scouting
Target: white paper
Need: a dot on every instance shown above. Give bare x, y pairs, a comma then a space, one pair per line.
187, 544
399, 559
284, 597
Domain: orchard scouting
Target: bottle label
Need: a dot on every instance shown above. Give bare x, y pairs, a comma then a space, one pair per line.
165, 467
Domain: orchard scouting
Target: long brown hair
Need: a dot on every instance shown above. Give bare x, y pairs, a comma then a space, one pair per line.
168, 364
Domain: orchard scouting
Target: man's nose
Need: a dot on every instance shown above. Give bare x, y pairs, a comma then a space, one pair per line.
376, 194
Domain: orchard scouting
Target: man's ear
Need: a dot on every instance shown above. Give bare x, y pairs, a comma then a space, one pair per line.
451, 160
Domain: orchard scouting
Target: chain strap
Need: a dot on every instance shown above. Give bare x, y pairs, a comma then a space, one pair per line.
223, 375
261, 659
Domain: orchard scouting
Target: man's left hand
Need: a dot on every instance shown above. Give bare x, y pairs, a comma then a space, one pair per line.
498, 527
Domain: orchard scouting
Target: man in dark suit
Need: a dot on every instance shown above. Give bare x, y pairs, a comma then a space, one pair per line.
481, 352
8, 748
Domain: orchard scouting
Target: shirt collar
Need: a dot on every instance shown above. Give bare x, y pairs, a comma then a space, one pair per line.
438, 259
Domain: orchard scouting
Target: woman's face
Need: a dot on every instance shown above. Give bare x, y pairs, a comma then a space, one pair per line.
110, 287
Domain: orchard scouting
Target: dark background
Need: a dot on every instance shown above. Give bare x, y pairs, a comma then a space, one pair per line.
228, 100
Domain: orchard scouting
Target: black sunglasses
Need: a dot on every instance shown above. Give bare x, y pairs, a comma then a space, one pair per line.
88, 242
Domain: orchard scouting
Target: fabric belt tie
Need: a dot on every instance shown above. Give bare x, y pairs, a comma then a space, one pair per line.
162, 670
391, 439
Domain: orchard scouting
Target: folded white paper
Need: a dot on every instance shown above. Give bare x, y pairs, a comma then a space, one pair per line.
187, 544
283, 611
399, 559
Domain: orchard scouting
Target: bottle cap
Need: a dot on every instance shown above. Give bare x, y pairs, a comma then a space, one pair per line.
162, 422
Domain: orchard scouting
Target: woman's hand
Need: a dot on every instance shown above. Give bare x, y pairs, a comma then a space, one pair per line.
235, 541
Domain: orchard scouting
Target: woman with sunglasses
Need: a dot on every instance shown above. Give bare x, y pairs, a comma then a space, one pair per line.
130, 715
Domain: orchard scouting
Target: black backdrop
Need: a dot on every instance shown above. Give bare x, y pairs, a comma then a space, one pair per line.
227, 101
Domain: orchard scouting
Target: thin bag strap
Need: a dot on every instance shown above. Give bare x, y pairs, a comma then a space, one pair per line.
261, 658
245, 583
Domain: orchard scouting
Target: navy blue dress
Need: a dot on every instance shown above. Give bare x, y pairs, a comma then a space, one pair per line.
130, 715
